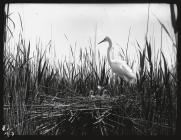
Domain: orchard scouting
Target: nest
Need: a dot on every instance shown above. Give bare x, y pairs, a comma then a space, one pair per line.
95, 115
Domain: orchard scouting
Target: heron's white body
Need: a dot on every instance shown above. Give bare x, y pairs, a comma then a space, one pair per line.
119, 66
123, 70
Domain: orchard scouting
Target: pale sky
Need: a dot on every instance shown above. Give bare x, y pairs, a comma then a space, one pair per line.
78, 22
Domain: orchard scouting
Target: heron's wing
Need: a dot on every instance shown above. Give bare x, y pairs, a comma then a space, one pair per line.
127, 71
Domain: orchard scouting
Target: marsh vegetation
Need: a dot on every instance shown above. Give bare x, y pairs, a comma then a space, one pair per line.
46, 99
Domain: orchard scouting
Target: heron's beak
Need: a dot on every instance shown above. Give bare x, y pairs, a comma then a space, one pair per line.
101, 41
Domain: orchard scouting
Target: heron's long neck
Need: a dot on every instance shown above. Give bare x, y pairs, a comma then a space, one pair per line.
108, 53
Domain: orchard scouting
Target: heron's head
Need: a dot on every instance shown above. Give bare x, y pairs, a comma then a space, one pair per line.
105, 39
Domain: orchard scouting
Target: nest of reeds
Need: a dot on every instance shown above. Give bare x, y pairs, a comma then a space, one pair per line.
93, 115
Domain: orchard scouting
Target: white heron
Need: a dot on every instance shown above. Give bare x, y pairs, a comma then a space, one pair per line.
119, 66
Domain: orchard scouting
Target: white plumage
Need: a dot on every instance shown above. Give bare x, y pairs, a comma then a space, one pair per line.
119, 67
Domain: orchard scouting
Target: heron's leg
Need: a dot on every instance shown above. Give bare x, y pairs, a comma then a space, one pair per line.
116, 78
111, 80
121, 83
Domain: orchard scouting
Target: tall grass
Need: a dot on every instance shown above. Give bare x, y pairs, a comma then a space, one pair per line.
30, 84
